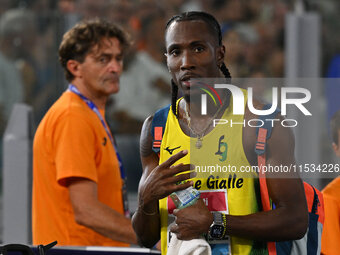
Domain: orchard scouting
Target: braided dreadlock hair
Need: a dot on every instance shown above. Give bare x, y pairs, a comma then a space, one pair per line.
215, 26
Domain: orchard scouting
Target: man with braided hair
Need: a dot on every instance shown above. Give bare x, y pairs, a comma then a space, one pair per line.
194, 50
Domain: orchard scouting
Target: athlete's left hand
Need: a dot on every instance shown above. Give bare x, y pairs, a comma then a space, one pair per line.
192, 222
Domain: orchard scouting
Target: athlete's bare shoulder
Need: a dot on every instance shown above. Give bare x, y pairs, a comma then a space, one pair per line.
146, 138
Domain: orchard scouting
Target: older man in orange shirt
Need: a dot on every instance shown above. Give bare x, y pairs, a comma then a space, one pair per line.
77, 179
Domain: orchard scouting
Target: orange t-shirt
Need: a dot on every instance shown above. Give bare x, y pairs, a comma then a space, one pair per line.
71, 142
330, 243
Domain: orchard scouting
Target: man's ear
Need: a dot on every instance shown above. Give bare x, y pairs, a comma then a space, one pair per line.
167, 64
336, 149
73, 67
220, 55
166, 59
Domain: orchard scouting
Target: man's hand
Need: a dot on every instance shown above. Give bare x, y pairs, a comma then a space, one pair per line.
162, 180
157, 182
192, 221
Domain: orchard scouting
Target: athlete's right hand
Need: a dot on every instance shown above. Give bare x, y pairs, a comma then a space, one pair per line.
163, 179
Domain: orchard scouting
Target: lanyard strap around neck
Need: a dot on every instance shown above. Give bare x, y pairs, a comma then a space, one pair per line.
94, 108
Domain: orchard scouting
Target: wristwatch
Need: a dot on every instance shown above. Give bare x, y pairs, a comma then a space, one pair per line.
218, 227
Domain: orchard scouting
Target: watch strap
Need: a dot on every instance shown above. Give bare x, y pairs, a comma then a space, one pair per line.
224, 219
218, 219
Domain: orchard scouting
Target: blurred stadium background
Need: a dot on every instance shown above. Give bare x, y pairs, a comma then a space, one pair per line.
263, 39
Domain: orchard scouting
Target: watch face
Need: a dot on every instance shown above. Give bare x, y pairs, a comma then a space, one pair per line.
216, 231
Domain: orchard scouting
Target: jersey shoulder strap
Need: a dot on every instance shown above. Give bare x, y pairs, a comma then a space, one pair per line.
263, 132
312, 240
264, 129
158, 127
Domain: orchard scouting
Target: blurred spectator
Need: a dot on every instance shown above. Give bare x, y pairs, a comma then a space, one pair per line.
67, 6
275, 64
191, 5
146, 82
12, 88
69, 14
234, 55
257, 82
31, 59
173, 6
121, 11
250, 56
4, 6
125, 14
230, 11
89, 9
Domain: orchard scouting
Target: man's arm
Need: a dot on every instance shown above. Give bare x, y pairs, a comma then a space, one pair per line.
157, 182
76, 170
91, 213
290, 218
288, 221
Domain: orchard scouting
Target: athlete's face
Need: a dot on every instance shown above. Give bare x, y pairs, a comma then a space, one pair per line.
102, 68
192, 51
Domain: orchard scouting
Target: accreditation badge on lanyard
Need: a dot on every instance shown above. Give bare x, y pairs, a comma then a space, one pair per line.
94, 108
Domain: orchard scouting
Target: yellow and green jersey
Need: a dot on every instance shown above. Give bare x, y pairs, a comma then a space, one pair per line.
217, 163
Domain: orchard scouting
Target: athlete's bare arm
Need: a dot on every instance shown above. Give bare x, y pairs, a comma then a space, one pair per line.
157, 182
290, 218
